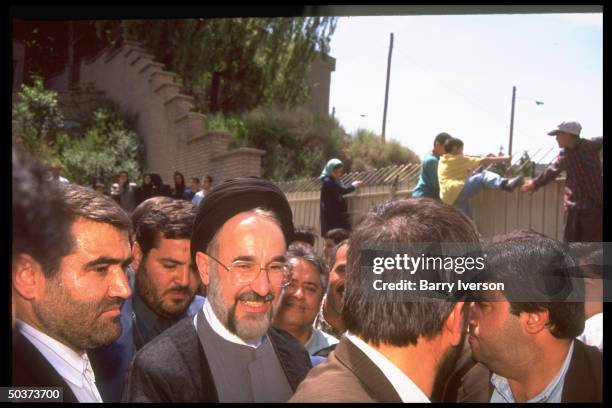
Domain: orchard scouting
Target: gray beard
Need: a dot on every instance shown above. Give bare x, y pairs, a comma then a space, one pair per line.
249, 328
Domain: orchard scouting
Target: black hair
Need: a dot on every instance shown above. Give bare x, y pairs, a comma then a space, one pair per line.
539, 274
441, 138
300, 251
41, 224
162, 217
390, 318
452, 143
337, 235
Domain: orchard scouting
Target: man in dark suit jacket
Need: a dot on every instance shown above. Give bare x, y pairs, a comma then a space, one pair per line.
397, 345
524, 335
67, 290
228, 352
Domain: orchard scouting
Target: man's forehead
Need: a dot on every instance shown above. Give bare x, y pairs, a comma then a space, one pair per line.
252, 232
94, 238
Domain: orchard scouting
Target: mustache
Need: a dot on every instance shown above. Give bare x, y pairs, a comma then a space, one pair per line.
180, 289
255, 297
111, 304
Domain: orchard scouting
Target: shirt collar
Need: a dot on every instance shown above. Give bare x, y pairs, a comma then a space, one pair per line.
407, 390
222, 331
553, 389
68, 363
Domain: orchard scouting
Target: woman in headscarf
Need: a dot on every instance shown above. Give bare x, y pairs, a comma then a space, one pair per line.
179, 185
334, 208
145, 190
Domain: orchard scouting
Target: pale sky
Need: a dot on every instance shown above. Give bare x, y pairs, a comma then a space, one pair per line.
455, 74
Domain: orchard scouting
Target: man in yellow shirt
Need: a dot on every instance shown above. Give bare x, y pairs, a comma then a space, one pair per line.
458, 183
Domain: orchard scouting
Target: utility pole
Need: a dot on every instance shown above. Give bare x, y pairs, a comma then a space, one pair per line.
384, 126
512, 121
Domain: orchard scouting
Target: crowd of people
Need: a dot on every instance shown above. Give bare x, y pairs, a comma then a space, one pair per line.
154, 295
129, 195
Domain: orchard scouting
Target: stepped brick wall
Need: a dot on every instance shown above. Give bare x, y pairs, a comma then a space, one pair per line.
174, 135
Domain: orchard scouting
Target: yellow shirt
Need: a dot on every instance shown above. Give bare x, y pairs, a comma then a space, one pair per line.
452, 172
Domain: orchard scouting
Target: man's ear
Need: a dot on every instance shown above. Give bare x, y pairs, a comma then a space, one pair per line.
454, 323
534, 322
137, 254
203, 264
28, 277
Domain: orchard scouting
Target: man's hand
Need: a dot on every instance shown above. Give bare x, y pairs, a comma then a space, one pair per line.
528, 187
357, 183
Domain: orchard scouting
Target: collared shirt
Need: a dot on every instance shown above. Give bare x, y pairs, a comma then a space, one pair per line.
318, 341
407, 390
220, 329
584, 182
75, 369
197, 198
321, 324
427, 185
593, 331
552, 393
147, 325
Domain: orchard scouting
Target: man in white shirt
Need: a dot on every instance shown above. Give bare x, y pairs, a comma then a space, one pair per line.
397, 345
199, 196
67, 298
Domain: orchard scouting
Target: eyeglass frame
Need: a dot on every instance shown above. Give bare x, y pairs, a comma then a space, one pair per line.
288, 265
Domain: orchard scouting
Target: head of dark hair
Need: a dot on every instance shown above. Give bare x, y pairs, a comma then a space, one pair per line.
390, 318
156, 180
166, 217
331, 259
41, 225
441, 138
178, 173
452, 143
301, 251
337, 235
209, 178
305, 234
197, 180
539, 274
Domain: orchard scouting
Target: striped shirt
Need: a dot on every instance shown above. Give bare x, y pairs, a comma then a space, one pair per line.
584, 182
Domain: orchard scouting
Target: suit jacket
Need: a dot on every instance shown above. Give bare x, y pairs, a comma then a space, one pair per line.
583, 380
348, 375
173, 367
32, 369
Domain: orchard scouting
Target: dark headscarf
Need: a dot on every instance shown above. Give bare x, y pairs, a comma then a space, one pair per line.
179, 189
232, 197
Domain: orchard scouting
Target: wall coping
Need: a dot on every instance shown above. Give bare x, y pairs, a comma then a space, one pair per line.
239, 151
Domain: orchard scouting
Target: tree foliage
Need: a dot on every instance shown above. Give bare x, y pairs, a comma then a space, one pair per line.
367, 151
233, 65
103, 145
298, 143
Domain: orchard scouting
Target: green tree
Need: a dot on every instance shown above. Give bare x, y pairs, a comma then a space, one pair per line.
105, 144
37, 120
233, 65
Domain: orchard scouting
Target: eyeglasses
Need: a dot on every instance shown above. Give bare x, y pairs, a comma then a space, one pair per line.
245, 272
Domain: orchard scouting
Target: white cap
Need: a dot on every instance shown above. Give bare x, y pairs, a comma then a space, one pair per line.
570, 127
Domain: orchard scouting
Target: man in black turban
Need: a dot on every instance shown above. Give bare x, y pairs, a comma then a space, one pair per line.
229, 352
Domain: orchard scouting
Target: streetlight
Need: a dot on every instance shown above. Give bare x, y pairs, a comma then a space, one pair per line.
539, 103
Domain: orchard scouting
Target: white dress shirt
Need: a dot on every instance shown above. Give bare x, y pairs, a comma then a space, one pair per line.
220, 329
75, 369
593, 331
405, 388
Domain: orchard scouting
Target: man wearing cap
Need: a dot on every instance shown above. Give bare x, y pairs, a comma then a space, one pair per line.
582, 200
229, 352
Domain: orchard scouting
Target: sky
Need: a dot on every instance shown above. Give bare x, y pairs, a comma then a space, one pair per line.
455, 74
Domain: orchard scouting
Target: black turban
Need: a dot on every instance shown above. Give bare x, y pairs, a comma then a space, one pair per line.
232, 197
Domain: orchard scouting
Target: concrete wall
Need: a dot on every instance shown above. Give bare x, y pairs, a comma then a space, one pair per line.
320, 83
